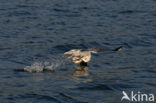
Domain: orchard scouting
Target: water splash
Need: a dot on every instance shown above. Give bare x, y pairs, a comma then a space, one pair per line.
44, 66
35, 67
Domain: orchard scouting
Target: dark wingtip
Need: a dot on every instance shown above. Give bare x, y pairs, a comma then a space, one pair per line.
118, 48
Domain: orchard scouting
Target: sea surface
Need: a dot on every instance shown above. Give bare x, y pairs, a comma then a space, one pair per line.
35, 33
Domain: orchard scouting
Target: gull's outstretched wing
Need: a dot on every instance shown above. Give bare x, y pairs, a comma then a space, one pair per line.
73, 51
105, 49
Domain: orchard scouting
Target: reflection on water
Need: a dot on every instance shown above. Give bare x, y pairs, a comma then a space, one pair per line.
38, 77
81, 71
81, 74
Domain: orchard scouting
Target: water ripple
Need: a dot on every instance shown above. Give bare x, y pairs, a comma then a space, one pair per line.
39, 97
95, 87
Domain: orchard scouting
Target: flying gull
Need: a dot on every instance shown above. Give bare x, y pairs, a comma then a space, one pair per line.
82, 57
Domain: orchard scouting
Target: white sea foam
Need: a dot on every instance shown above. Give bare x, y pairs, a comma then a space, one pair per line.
41, 66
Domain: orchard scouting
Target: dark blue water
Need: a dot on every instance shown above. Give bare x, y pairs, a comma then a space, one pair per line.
42, 30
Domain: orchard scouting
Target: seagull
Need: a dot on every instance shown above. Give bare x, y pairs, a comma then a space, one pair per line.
82, 57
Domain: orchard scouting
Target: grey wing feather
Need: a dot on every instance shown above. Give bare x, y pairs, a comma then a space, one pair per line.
106, 49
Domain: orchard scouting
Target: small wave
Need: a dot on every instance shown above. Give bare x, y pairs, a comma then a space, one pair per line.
43, 66
39, 97
96, 87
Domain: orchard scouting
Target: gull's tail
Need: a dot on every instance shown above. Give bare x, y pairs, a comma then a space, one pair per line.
117, 49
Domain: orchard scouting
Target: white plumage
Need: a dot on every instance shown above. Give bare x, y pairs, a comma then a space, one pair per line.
79, 56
